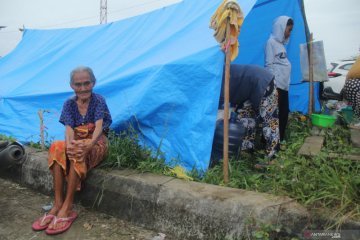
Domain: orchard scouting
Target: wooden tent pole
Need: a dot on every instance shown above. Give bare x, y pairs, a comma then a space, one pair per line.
311, 75
226, 106
42, 141
307, 34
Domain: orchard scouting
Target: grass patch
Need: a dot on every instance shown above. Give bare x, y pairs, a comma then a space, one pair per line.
6, 138
31, 144
126, 151
317, 182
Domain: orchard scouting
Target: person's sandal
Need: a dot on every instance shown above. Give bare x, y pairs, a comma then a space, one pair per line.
68, 221
38, 224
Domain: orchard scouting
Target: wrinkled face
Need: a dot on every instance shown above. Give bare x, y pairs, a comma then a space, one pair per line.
288, 30
82, 85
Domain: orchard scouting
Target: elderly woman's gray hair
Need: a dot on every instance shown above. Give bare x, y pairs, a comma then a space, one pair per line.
82, 69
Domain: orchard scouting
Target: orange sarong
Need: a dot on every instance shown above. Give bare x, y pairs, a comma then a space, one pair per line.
57, 153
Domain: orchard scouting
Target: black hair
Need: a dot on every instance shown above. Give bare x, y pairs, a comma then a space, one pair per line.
290, 22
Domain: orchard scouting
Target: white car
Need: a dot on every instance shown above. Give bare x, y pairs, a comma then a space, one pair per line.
337, 74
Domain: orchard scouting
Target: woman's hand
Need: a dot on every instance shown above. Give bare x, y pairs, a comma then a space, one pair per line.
71, 150
80, 148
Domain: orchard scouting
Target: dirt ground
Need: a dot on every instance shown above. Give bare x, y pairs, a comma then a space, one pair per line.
20, 206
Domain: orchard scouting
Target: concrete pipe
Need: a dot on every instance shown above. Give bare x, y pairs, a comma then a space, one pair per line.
13, 153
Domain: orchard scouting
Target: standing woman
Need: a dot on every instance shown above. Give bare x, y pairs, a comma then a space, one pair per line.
277, 62
352, 90
86, 118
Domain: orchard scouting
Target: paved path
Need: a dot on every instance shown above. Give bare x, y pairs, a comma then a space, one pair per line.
19, 206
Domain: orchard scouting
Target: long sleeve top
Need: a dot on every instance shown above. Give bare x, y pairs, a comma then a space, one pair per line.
248, 83
276, 60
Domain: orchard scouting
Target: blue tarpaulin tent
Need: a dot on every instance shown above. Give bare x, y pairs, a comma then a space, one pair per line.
255, 32
161, 71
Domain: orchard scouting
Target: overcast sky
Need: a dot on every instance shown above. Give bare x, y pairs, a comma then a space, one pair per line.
336, 22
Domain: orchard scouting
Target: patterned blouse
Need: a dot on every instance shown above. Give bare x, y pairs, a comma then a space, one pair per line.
97, 109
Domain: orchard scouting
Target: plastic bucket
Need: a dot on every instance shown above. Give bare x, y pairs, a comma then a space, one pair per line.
347, 114
322, 120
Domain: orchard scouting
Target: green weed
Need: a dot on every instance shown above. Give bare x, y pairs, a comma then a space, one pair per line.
126, 151
6, 138
320, 181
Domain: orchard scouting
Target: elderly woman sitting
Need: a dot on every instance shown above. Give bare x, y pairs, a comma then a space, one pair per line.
86, 118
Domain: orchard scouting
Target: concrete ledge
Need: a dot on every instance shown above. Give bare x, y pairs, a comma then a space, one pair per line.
187, 210
355, 137
312, 146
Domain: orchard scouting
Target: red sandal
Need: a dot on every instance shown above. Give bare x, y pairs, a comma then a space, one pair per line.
67, 220
38, 224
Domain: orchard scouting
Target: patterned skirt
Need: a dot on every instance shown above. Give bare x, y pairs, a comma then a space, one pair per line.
57, 153
267, 116
352, 94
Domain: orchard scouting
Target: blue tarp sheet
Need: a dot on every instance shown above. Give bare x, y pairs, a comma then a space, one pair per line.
254, 34
161, 71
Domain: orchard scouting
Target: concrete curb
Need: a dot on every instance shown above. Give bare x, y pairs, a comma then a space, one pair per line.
185, 209
188, 210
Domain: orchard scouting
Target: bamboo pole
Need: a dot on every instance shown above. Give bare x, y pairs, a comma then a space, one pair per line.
311, 76
226, 105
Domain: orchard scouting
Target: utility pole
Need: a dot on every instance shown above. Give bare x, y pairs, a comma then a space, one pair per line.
103, 11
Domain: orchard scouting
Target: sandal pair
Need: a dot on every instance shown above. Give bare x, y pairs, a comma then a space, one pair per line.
39, 225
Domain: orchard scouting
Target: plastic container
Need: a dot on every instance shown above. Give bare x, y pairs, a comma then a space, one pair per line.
347, 114
236, 133
322, 120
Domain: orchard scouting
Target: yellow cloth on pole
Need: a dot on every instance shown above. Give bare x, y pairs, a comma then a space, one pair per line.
229, 9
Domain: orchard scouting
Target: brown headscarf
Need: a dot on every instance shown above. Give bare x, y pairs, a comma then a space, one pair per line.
354, 71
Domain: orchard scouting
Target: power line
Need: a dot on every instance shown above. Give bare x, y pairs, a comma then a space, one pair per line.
58, 24
92, 17
134, 6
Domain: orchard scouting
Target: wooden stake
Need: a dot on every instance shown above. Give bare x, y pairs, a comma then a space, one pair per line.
311, 77
226, 106
42, 141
